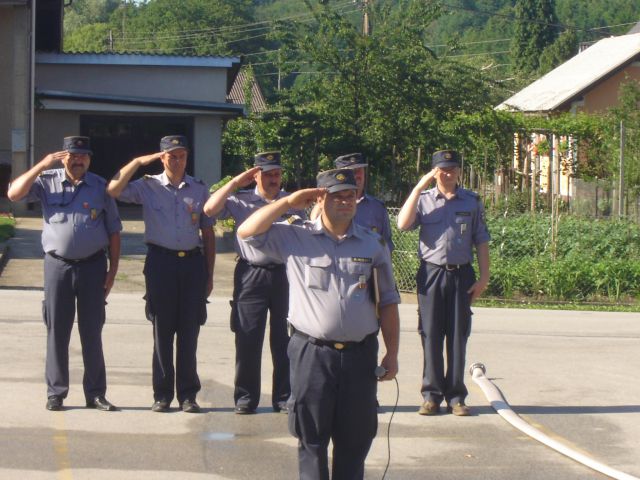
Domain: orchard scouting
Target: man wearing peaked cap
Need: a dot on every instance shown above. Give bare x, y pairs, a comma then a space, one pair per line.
451, 222
178, 274
260, 286
371, 212
81, 225
331, 262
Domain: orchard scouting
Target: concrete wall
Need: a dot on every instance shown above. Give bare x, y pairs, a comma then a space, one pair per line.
208, 148
605, 94
15, 98
50, 128
175, 83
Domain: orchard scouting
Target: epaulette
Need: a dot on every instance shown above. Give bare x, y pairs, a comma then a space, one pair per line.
147, 177
371, 197
291, 219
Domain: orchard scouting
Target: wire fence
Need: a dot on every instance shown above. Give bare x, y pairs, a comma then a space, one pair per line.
542, 258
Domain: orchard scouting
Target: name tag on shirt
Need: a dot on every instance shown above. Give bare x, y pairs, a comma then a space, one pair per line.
361, 259
463, 214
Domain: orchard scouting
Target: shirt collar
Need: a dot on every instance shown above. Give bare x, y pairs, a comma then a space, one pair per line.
86, 178
317, 227
438, 194
256, 192
164, 180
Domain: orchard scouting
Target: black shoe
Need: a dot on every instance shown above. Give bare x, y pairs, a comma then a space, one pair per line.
54, 403
244, 410
160, 406
101, 403
281, 407
190, 406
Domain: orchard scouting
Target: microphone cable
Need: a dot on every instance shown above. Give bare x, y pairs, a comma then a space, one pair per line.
393, 411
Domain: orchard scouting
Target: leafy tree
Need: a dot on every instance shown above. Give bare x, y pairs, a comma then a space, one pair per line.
565, 47
535, 28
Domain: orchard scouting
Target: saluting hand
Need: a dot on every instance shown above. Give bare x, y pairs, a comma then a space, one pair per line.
426, 179
246, 177
54, 159
147, 159
303, 199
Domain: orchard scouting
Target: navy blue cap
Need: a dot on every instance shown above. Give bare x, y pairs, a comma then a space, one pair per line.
445, 158
267, 161
351, 160
336, 180
77, 145
172, 142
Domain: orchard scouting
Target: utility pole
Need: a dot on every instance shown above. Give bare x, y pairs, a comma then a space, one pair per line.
366, 24
621, 184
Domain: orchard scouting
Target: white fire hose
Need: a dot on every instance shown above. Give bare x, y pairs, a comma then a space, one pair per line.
503, 409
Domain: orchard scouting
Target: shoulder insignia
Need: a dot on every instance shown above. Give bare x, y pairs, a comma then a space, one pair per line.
147, 177
293, 219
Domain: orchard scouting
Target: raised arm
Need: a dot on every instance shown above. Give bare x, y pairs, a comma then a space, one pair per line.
122, 178
216, 201
19, 188
407, 214
261, 220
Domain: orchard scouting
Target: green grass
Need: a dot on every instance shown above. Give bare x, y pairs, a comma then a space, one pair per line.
7, 228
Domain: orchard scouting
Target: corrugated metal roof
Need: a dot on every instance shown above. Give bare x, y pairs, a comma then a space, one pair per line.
135, 59
236, 95
575, 75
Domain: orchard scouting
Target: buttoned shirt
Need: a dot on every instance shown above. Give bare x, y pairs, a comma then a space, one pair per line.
240, 206
450, 227
172, 215
330, 280
372, 214
78, 219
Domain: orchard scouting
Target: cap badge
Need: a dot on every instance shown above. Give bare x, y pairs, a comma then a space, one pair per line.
352, 159
340, 177
175, 141
269, 157
447, 156
79, 143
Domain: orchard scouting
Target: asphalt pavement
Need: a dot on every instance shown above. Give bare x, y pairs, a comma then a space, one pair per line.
570, 374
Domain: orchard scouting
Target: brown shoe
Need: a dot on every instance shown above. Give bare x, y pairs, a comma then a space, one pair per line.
429, 408
459, 410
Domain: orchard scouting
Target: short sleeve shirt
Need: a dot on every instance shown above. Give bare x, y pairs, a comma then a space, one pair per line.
78, 219
372, 215
172, 216
330, 280
450, 227
240, 206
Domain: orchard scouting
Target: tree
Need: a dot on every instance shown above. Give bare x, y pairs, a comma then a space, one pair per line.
535, 29
565, 47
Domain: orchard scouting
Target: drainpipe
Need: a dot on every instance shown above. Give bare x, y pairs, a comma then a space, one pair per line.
503, 409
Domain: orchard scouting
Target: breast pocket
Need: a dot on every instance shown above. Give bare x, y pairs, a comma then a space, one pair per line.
359, 280
317, 273
432, 228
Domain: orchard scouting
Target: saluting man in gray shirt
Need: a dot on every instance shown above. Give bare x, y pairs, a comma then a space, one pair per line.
80, 222
178, 276
451, 221
370, 211
331, 265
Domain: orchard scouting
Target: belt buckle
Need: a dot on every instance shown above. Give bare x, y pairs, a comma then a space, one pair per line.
338, 345
182, 254
449, 268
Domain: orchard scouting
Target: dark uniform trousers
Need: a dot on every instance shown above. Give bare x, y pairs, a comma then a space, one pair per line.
256, 291
176, 305
333, 397
66, 283
444, 311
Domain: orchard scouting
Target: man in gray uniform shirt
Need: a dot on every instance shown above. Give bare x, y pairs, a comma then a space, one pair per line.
178, 277
451, 222
370, 211
331, 264
81, 223
259, 286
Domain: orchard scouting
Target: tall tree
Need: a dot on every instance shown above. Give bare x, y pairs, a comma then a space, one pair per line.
536, 28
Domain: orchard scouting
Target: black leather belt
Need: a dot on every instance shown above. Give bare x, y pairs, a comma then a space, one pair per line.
331, 343
99, 253
174, 253
447, 266
266, 266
